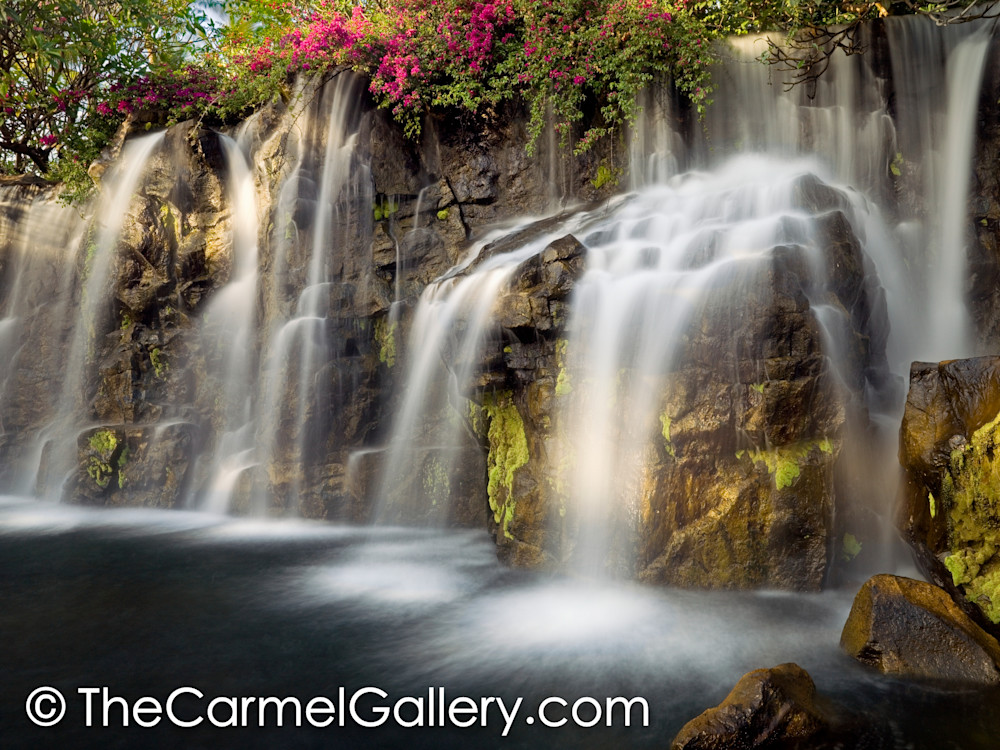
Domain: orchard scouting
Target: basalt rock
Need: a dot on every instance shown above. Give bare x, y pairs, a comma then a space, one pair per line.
739, 479
950, 512
768, 708
905, 627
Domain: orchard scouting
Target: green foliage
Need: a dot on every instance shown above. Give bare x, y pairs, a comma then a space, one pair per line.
58, 58
605, 176
71, 70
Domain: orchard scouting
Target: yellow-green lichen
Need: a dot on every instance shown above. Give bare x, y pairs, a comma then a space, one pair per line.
850, 548
783, 462
665, 431
437, 483
970, 503
759, 387
442, 215
508, 452
160, 364
477, 419
385, 336
384, 207
932, 503
563, 385
103, 444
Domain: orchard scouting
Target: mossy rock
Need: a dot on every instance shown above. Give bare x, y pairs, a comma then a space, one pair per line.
949, 447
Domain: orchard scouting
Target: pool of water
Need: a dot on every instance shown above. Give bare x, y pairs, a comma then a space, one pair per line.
146, 602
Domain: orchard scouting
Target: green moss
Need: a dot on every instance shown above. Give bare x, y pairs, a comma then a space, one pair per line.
850, 548
168, 220
508, 452
477, 419
759, 387
437, 483
970, 503
384, 207
103, 445
385, 336
932, 503
103, 442
896, 166
563, 385
122, 462
665, 431
160, 364
99, 471
783, 462
442, 214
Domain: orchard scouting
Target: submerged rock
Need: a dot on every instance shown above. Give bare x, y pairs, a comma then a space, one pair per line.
907, 627
951, 506
773, 708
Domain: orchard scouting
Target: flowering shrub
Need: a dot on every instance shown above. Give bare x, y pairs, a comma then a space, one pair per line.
92, 64
473, 54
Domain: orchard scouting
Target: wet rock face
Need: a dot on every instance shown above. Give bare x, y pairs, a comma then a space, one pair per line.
950, 511
905, 627
768, 708
738, 484
153, 366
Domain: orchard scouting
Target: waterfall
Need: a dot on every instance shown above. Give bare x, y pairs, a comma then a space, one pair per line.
658, 260
53, 454
228, 332
40, 240
742, 208
322, 202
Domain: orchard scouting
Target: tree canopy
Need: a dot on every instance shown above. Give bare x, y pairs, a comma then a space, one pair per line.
71, 70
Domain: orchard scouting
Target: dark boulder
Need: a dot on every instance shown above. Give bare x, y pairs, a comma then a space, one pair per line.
768, 708
906, 627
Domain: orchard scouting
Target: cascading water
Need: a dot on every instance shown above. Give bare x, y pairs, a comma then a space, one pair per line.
228, 331
41, 238
279, 423
54, 448
652, 264
935, 151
